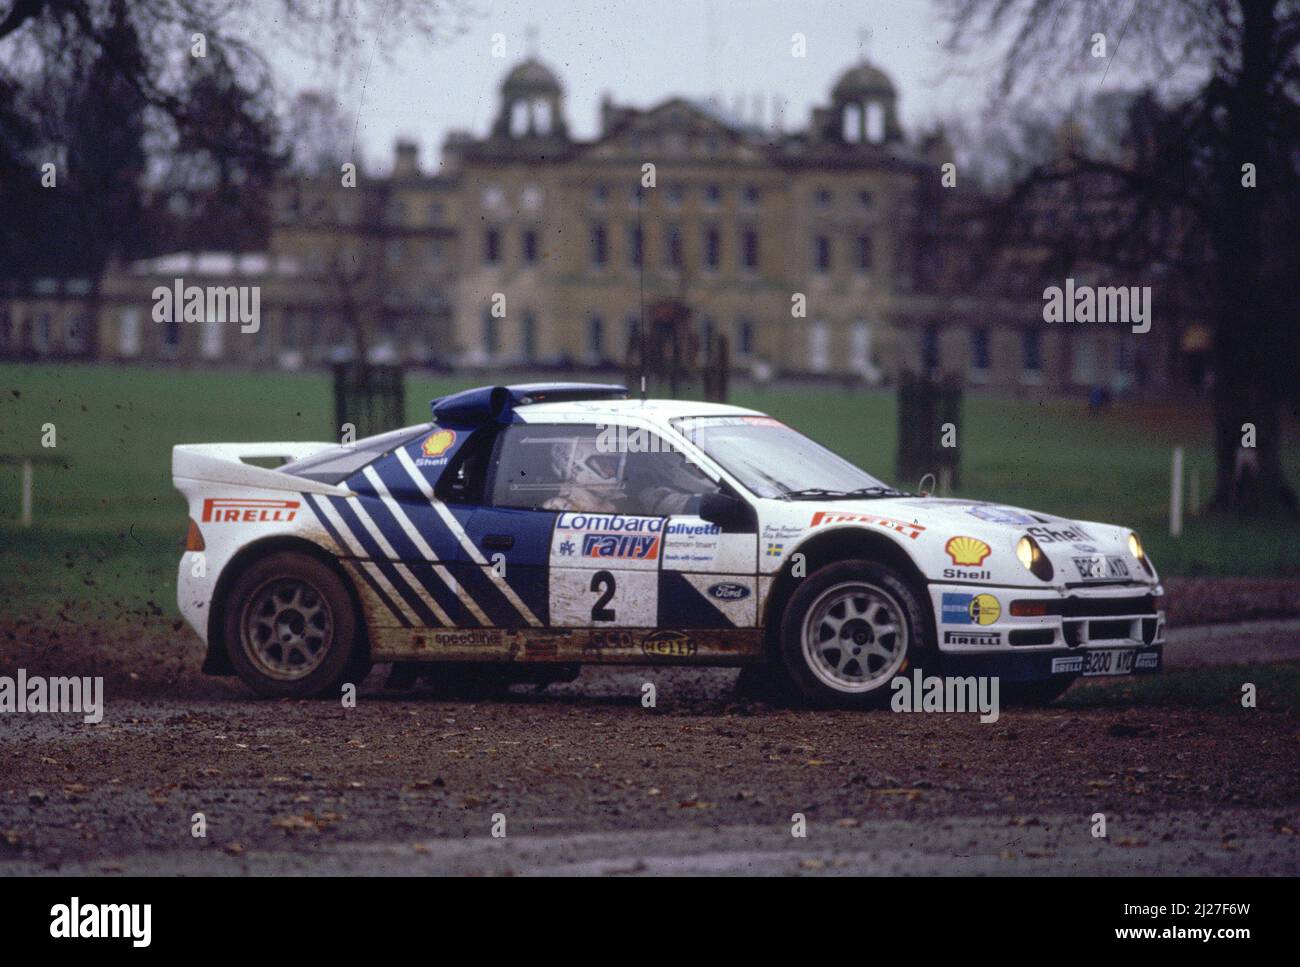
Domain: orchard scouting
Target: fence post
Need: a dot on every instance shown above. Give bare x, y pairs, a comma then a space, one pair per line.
1176, 495
27, 494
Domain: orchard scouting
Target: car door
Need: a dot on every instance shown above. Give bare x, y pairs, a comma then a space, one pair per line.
554, 520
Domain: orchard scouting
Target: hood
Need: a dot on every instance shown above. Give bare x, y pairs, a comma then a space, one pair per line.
965, 540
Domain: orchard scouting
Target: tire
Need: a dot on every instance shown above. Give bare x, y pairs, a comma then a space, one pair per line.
1030, 694
874, 612
305, 603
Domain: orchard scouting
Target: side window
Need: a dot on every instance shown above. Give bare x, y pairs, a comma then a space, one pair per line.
592, 469
464, 479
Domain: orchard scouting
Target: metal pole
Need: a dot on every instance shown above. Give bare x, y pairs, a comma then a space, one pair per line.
27, 493
1176, 495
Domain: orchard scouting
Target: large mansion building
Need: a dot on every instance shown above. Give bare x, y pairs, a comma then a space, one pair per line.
832, 250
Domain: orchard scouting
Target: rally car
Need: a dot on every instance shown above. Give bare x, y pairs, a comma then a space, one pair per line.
529, 530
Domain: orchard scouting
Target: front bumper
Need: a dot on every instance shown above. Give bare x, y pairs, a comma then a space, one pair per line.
979, 634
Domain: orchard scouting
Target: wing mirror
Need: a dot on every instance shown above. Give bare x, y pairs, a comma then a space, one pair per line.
723, 509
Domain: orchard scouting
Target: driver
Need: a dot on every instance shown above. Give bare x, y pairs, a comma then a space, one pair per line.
591, 478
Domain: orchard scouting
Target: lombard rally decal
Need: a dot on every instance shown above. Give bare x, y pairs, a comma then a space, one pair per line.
434, 448
231, 510
606, 537
901, 526
967, 609
1001, 515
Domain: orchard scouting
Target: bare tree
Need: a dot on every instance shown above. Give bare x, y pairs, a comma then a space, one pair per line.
1208, 184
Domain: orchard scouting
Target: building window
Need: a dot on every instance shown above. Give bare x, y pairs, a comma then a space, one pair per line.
712, 247
851, 123
75, 337
492, 246
599, 245
6, 329
875, 122
819, 347
531, 197
745, 338
634, 246
930, 360
822, 253
491, 337
750, 195
1031, 351
712, 195
171, 336
749, 244
673, 247
864, 253
979, 351
822, 199
289, 330
865, 200
129, 332
707, 327
676, 195
529, 333
595, 338
632, 333
493, 197
395, 253
600, 193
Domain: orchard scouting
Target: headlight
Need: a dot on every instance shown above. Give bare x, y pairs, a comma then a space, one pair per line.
1025, 552
1032, 557
1135, 546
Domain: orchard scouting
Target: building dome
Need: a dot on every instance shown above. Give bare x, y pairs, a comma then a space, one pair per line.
863, 81
531, 78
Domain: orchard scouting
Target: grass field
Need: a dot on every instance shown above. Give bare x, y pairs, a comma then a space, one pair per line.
108, 523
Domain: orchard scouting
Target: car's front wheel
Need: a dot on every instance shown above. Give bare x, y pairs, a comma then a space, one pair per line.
848, 630
291, 628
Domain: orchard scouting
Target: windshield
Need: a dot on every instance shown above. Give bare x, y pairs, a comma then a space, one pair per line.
773, 460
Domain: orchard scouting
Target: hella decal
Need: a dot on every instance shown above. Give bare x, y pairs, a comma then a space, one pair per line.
668, 644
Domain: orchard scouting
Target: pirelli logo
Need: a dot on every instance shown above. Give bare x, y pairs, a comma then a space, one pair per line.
232, 510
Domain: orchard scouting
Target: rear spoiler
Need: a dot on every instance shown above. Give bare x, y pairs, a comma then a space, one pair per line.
224, 463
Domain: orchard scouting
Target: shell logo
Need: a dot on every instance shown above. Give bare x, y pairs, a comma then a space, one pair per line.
436, 444
967, 551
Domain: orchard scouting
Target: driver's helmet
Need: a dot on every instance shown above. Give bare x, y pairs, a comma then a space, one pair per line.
581, 462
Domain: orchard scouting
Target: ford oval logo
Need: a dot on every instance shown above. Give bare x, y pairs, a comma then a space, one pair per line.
728, 592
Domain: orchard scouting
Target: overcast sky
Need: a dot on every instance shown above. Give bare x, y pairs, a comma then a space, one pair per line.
642, 51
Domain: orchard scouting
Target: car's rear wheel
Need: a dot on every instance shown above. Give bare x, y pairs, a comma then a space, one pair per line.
291, 628
848, 630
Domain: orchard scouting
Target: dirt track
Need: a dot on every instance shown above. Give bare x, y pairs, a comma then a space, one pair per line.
589, 781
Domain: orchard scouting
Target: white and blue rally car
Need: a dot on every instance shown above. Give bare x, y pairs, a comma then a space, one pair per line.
528, 530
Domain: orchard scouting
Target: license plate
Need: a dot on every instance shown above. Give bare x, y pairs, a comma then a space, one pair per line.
1112, 661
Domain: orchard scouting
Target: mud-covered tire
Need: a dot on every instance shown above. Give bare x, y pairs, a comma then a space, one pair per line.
849, 629
291, 629
1035, 694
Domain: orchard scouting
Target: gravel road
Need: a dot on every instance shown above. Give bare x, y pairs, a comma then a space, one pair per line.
588, 781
